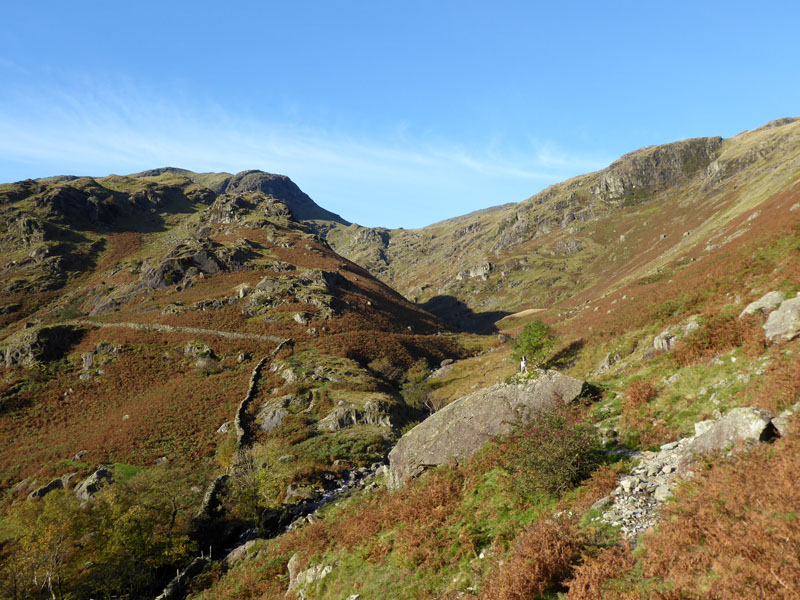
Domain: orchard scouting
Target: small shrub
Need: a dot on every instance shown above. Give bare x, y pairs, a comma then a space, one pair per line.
534, 343
720, 333
594, 574
555, 452
638, 394
541, 559
416, 389
781, 384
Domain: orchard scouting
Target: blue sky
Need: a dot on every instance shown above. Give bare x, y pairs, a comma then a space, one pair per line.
390, 113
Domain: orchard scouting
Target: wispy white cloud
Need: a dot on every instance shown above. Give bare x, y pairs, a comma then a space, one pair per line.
92, 129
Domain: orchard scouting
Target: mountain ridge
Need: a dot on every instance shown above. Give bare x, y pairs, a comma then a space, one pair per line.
199, 362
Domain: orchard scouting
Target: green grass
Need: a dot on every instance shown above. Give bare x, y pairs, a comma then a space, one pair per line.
123, 472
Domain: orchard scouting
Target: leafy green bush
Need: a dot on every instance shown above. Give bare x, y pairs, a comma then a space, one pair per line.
554, 452
534, 343
416, 389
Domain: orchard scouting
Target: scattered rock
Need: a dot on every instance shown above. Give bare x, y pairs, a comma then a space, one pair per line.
177, 587
303, 318
94, 483
299, 579
56, 484
196, 349
640, 493
480, 271
783, 323
240, 553
667, 339
441, 371
764, 304
784, 421
609, 360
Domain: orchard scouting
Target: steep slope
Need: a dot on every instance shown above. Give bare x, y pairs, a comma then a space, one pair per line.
685, 258
163, 332
186, 305
159, 260
587, 235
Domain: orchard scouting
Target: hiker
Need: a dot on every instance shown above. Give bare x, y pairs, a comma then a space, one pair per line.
523, 365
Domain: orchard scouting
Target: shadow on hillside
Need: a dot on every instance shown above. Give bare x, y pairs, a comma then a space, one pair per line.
461, 317
565, 358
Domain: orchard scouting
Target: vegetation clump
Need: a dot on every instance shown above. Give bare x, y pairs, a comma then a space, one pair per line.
555, 452
542, 557
535, 343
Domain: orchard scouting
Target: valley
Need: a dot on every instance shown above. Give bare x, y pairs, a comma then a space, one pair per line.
209, 373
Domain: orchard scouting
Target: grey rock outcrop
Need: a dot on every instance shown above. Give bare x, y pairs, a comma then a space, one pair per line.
376, 411
298, 579
667, 339
783, 323
39, 344
282, 188
272, 414
94, 483
193, 257
235, 208
56, 484
765, 304
608, 362
740, 425
651, 169
460, 429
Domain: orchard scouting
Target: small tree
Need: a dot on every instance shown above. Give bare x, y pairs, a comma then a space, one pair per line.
534, 343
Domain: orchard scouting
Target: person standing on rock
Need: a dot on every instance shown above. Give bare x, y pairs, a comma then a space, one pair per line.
523, 365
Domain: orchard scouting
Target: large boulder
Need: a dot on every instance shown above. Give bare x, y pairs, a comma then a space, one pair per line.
461, 428
272, 414
765, 304
783, 323
740, 425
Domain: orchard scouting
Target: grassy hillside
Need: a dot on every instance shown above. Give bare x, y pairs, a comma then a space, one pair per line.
234, 373
470, 531
656, 208
157, 325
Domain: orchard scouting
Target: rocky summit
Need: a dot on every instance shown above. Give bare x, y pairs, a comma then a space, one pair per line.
212, 387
